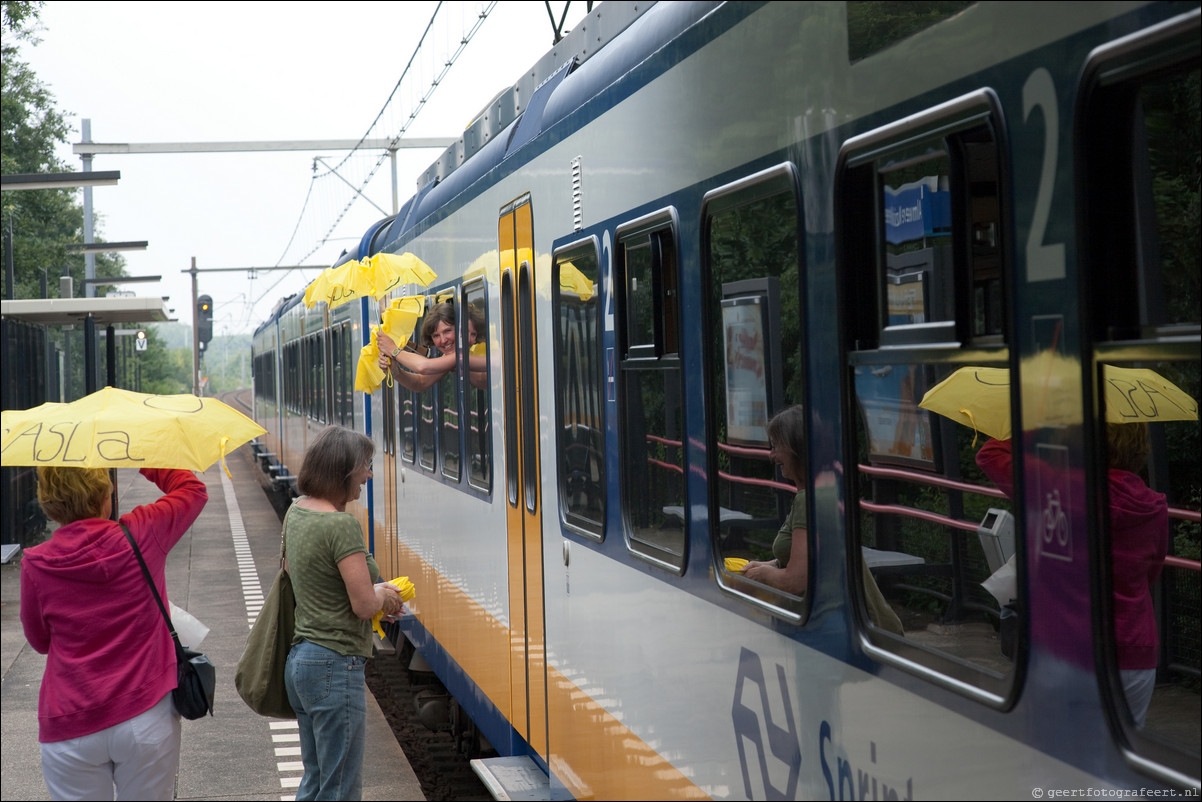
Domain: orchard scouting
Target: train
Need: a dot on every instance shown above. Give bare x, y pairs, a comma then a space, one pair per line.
687, 218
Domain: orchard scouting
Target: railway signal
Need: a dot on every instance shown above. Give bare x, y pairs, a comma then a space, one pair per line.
204, 321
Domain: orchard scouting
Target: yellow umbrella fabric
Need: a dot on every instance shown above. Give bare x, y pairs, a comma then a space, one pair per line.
401, 317
391, 270
317, 289
979, 397
407, 591
350, 281
572, 280
368, 375
114, 428
976, 397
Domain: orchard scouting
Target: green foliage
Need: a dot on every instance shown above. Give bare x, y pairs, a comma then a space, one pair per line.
42, 223
873, 25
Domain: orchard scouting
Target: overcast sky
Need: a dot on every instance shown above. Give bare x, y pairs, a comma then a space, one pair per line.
254, 71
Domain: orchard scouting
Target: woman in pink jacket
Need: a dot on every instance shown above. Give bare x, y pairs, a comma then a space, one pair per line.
105, 715
1139, 541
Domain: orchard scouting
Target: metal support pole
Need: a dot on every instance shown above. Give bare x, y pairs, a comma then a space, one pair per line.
89, 355
110, 352
195, 336
89, 259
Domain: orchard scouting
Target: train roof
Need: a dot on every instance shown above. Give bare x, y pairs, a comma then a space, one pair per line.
608, 43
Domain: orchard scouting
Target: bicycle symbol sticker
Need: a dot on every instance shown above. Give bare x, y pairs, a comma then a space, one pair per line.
1056, 534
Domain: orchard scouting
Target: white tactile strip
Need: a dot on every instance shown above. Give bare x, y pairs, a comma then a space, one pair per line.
284, 734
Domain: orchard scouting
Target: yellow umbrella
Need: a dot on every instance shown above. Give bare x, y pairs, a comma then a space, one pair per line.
115, 428
407, 592
401, 316
979, 397
572, 280
368, 375
391, 270
317, 289
350, 281
976, 397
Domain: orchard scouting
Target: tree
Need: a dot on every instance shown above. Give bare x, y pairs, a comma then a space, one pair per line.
41, 223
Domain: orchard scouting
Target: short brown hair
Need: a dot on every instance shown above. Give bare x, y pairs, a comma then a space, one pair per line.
72, 494
335, 454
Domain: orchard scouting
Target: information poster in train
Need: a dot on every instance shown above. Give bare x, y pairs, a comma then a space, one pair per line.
746, 371
898, 430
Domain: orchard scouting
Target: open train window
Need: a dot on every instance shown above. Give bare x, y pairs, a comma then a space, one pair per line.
477, 404
579, 388
652, 404
923, 260
1139, 184
751, 240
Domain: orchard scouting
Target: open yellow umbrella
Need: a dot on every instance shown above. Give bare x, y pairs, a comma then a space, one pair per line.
391, 270
979, 397
114, 428
317, 289
350, 281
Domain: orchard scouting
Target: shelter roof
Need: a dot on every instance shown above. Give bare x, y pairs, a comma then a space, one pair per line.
105, 311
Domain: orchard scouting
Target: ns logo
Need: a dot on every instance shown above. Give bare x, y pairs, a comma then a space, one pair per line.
782, 752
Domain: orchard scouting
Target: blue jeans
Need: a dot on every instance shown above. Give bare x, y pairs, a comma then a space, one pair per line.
327, 691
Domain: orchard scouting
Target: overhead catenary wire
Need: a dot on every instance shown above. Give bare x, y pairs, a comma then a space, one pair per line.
323, 196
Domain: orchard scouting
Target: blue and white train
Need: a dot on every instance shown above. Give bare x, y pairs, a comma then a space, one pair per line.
689, 216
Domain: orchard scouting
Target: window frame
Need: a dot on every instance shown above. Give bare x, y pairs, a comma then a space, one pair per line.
570, 520
868, 340
642, 357
780, 179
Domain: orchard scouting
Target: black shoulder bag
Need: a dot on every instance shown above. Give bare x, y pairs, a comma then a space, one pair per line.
196, 674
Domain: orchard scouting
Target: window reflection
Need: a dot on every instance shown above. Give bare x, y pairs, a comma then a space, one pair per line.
652, 404
579, 390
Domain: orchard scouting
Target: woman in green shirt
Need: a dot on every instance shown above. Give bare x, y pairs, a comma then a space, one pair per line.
790, 570
337, 589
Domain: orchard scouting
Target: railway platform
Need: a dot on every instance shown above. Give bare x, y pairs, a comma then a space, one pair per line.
219, 571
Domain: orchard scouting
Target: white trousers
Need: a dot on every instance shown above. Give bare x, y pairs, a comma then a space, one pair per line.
139, 756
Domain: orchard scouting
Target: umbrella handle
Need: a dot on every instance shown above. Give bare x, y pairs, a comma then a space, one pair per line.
973, 421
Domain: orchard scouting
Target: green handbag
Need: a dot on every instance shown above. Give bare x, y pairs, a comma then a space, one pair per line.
260, 674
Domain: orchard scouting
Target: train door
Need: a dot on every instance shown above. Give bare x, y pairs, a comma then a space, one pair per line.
528, 674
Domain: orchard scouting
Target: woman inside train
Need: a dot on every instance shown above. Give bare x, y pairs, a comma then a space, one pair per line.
105, 714
338, 592
1139, 541
790, 570
418, 373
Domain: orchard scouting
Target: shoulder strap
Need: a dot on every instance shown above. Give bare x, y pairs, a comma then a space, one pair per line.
146, 573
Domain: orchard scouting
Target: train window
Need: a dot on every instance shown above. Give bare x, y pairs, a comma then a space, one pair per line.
1142, 234
579, 389
923, 295
652, 410
477, 402
448, 411
427, 426
408, 425
752, 235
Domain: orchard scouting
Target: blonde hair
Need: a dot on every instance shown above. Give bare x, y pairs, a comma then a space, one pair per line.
72, 494
1128, 446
